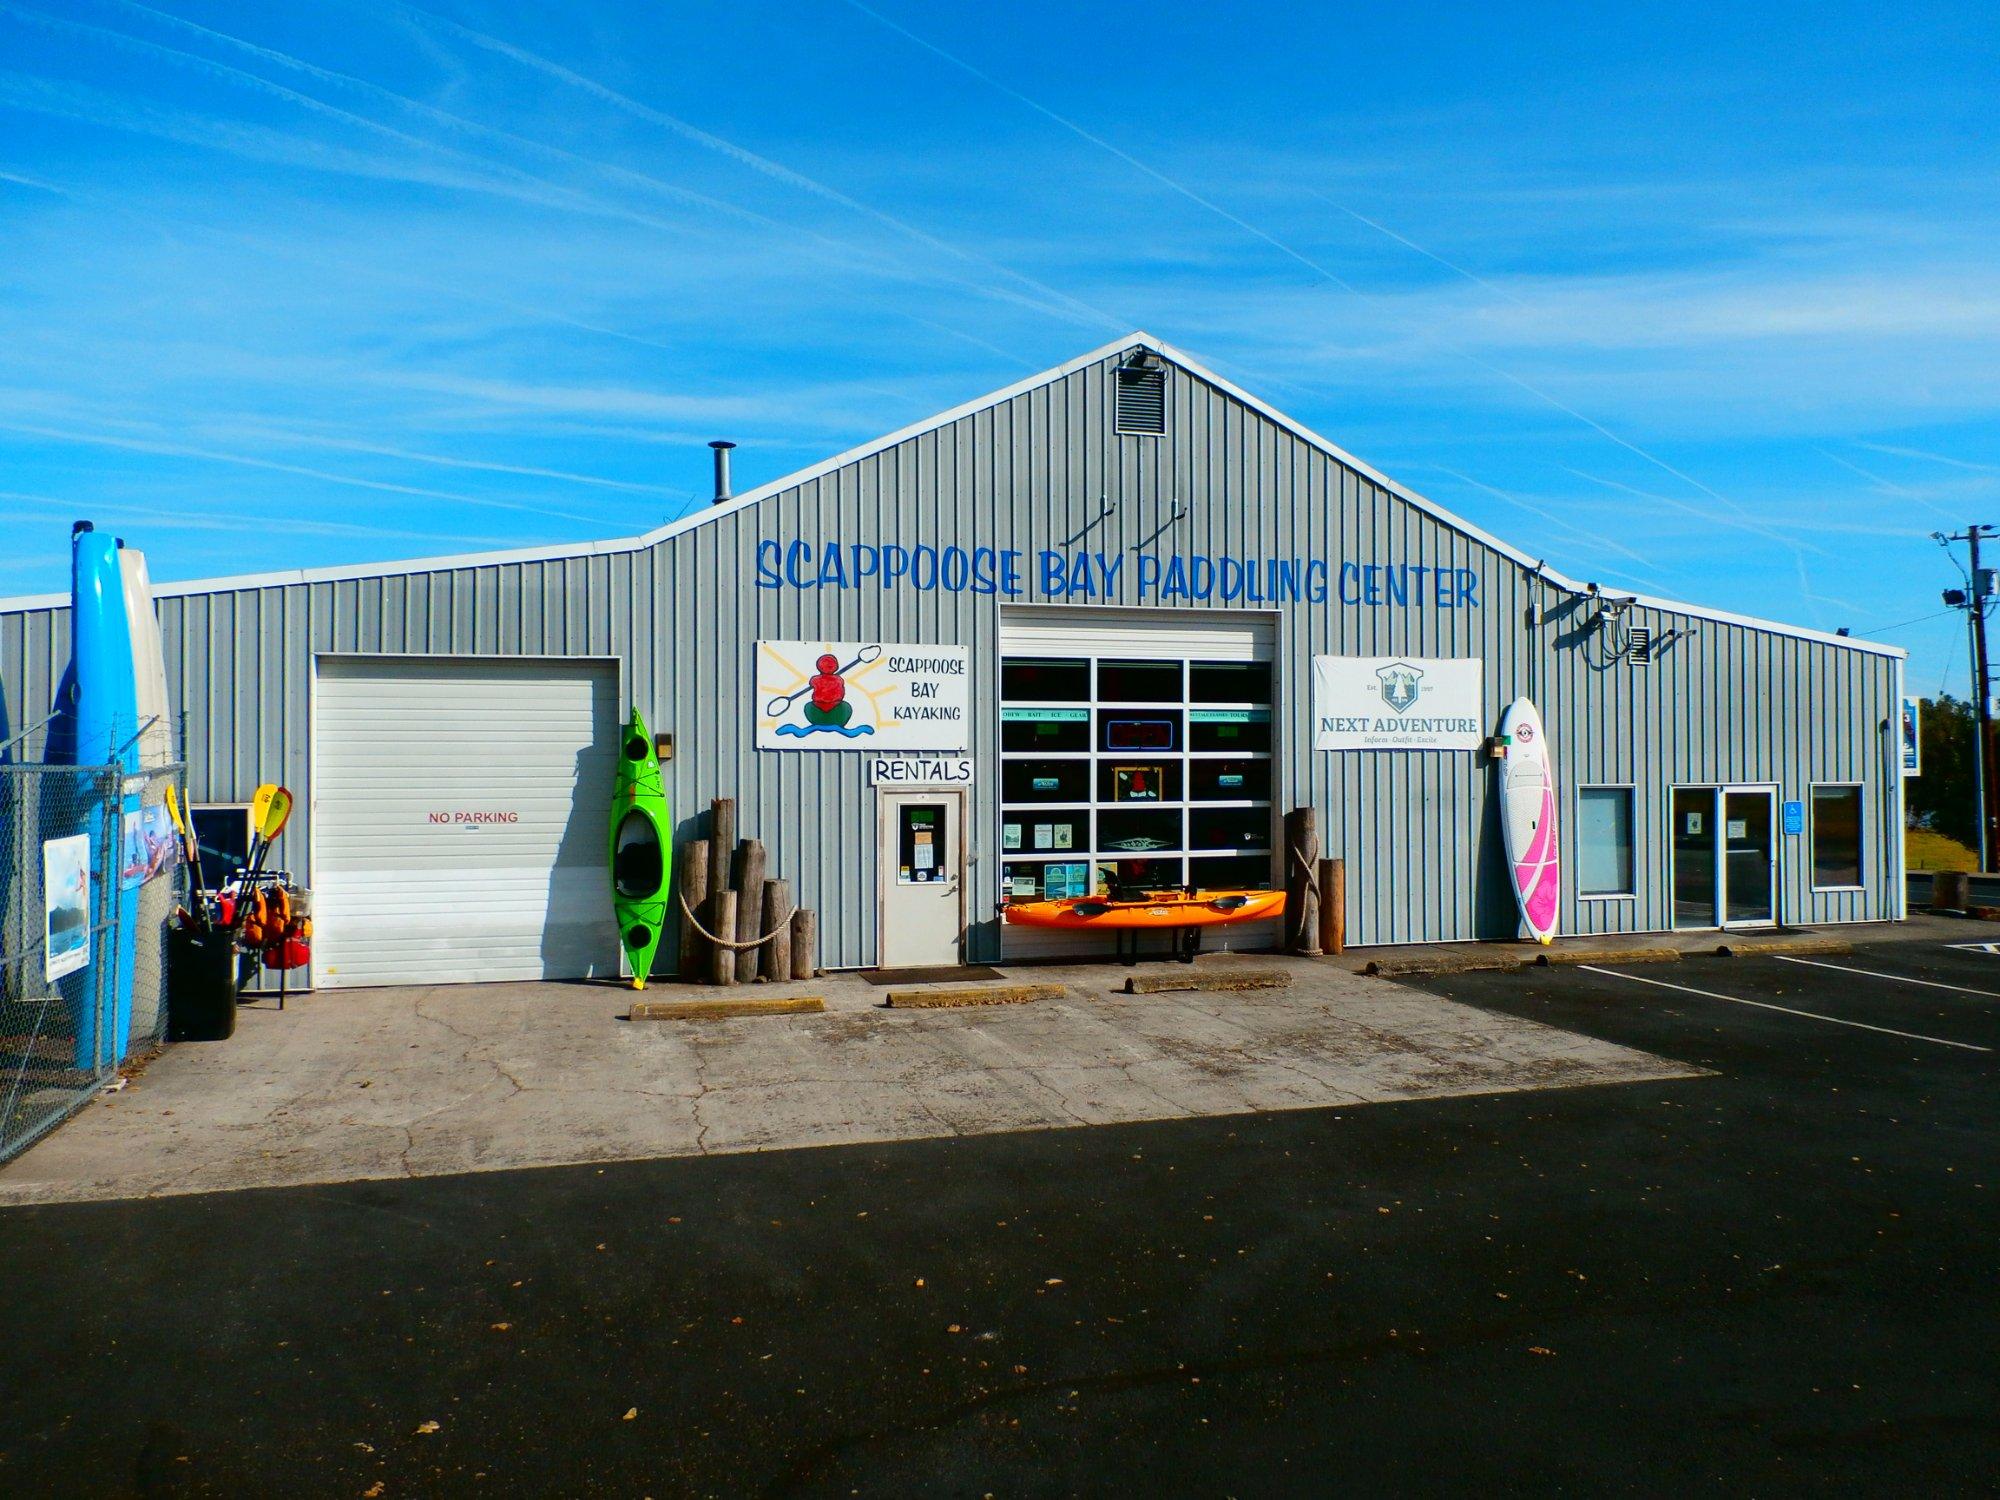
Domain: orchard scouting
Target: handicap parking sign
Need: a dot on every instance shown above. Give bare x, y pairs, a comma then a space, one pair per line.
1795, 817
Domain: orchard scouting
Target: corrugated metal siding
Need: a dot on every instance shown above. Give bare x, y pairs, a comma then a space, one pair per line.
1041, 469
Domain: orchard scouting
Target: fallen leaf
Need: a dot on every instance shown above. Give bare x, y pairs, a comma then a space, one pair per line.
1538, 1349
373, 1490
1053, 1281
426, 1428
500, 1327
920, 1281
631, 1412
366, 1447
954, 1328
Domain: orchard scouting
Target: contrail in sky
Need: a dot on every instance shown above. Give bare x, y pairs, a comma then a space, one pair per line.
1303, 259
751, 159
180, 450
1079, 310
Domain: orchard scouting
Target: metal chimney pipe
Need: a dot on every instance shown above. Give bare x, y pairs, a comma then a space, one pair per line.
721, 447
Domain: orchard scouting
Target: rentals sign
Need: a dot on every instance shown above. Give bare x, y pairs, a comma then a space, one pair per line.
1397, 703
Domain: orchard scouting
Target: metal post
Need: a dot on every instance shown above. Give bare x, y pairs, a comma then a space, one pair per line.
1989, 847
1978, 748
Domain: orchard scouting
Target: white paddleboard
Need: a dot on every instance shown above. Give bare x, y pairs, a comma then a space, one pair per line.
1528, 818
149, 667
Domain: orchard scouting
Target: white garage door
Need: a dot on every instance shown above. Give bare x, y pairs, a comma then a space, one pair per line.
458, 820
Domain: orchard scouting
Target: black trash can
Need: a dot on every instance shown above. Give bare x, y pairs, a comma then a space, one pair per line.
201, 986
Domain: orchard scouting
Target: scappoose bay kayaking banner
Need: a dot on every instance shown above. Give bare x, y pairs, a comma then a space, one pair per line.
1397, 703
862, 695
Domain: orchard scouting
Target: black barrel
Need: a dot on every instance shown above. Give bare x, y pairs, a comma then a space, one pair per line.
201, 986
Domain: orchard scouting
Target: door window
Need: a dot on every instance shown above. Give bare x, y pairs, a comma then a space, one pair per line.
1694, 856
921, 833
1747, 855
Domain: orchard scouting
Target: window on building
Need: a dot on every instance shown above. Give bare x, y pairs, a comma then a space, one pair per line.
1836, 835
1604, 841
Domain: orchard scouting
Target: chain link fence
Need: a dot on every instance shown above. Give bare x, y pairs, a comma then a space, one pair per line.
90, 874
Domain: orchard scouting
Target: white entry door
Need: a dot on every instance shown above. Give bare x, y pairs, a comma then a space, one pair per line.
923, 884
459, 808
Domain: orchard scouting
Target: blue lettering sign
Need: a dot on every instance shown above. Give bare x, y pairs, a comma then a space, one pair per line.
831, 563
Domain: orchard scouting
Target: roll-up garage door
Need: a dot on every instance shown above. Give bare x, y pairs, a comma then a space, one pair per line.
458, 819
1138, 749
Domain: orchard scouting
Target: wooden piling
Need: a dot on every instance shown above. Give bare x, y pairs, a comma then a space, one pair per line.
722, 963
1333, 905
721, 844
805, 943
774, 959
1301, 893
747, 876
694, 890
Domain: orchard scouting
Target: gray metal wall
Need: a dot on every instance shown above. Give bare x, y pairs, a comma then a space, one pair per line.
1041, 469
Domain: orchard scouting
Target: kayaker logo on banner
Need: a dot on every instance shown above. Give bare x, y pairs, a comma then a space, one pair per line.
1399, 685
862, 695
1397, 703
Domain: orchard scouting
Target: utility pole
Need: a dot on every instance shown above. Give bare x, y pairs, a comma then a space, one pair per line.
1977, 603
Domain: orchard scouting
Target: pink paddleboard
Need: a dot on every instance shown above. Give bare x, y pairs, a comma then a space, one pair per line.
1528, 818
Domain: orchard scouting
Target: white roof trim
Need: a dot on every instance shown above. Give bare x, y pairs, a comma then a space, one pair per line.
1138, 339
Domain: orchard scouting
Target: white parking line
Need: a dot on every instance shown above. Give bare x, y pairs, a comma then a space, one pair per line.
1810, 1015
1929, 984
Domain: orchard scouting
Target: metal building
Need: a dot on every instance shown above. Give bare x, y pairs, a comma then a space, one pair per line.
1106, 624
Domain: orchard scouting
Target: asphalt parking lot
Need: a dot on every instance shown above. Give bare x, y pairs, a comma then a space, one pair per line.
1775, 1277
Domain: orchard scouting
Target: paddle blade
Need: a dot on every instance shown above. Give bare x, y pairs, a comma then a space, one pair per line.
260, 802
174, 811
276, 810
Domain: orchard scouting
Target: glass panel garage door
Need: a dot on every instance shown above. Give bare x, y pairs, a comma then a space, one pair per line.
1129, 771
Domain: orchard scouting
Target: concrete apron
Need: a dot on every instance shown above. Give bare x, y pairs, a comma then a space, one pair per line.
420, 1082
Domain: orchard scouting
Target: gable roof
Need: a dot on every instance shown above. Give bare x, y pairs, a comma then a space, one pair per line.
1132, 341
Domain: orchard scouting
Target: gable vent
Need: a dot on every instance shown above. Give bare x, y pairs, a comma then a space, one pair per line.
1142, 400
1639, 644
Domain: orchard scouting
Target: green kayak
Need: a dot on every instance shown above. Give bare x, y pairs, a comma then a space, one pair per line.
641, 850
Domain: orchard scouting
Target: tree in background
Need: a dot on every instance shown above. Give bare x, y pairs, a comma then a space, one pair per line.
1945, 799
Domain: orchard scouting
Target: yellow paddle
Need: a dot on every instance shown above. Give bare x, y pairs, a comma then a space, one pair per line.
260, 803
277, 809
190, 851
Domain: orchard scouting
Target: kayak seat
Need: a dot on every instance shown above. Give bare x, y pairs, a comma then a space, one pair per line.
636, 871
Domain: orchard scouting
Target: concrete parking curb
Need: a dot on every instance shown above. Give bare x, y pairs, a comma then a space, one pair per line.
1247, 979
1468, 963
986, 994
722, 1010
1750, 948
1608, 956
1454, 963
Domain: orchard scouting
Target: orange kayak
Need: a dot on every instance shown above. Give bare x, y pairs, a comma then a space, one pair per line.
1157, 909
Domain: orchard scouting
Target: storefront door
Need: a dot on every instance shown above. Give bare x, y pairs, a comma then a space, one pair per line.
923, 905
1725, 856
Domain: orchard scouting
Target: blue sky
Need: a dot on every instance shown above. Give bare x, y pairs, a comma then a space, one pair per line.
1703, 304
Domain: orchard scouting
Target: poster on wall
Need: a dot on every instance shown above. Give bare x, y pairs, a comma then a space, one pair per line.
1397, 703
1912, 741
66, 904
150, 850
862, 695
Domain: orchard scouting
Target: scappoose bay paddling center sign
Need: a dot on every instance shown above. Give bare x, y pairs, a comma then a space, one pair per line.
1178, 577
1397, 703
862, 695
